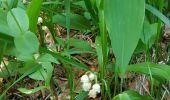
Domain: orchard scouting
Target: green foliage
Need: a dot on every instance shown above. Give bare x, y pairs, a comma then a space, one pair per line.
120, 28
31, 91
33, 11
149, 33
158, 14
81, 95
130, 95
18, 21
26, 43
124, 25
77, 22
159, 71
3, 24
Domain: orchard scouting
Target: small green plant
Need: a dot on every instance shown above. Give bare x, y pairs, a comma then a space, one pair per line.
118, 30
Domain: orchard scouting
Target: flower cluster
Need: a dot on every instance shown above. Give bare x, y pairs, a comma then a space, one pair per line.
87, 80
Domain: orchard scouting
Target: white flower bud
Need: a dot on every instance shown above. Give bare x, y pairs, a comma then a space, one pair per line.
84, 79
86, 86
40, 20
96, 88
45, 28
36, 55
24, 1
92, 94
91, 76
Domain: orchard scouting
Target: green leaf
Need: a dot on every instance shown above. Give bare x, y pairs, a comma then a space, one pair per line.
99, 50
149, 34
79, 44
26, 43
131, 95
124, 24
81, 95
45, 73
75, 51
18, 21
47, 58
77, 22
10, 71
158, 14
39, 75
31, 91
49, 68
68, 60
28, 72
33, 11
3, 24
158, 71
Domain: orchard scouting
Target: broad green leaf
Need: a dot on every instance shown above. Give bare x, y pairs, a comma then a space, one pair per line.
45, 73
79, 44
23, 57
149, 33
124, 24
26, 43
131, 95
31, 91
39, 75
77, 22
68, 60
3, 24
158, 71
158, 14
33, 11
18, 21
81, 95
49, 68
47, 58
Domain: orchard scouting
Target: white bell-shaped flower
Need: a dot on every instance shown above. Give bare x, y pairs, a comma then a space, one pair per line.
40, 20
92, 76
92, 93
86, 86
44, 28
96, 88
84, 79
24, 1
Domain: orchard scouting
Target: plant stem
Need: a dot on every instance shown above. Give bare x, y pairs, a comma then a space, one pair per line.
67, 7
